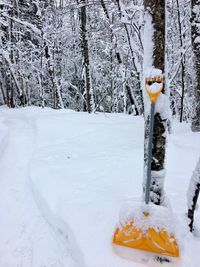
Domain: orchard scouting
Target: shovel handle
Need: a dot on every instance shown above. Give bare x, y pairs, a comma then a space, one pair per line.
149, 155
153, 96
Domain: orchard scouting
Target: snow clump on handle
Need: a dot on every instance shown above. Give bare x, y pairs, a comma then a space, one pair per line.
155, 87
156, 78
152, 73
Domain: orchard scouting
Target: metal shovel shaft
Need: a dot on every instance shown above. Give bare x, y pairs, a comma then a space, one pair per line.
149, 154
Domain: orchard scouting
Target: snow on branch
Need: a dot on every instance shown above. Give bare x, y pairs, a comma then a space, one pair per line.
178, 65
4, 3
4, 23
26, 24
6, 57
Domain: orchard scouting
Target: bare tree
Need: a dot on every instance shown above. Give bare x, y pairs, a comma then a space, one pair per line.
129, 97
86, 61
156, 9
182, 61
196, 50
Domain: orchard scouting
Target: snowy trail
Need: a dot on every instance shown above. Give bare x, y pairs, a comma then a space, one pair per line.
26, 238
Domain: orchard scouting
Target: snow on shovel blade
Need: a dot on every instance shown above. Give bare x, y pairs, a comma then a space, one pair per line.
152, 240
147, 227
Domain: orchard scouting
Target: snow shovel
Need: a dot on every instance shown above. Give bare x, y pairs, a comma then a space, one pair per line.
142, 234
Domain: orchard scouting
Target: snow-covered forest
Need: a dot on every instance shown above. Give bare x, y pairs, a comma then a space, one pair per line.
99, 133
89, 55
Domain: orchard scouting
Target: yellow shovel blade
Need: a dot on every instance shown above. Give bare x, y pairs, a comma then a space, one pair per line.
151, 240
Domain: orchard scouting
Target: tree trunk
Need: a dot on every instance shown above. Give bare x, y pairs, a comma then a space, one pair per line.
3, 93
193, 193
182, 62
10, 95
157, 11
86, 62
196, 50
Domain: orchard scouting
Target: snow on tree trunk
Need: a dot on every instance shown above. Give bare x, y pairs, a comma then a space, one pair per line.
196, 50
182, 61
86, 62
193, 193
155, 47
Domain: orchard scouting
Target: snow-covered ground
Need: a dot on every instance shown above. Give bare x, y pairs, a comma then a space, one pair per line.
64, 177
26, 240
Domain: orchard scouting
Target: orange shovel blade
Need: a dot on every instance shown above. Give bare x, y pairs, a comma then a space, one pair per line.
151, 240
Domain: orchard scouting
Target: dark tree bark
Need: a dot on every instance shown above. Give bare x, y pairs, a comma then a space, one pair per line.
10, 88
182, 61
193, 193
86, 61
2, 91
195, 27
156, 8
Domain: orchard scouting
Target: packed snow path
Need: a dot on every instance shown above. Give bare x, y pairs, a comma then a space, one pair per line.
26, 239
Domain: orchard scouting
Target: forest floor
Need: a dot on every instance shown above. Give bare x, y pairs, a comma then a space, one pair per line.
64, 176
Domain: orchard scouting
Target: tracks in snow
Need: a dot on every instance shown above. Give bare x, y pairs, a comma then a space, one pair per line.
26, 238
